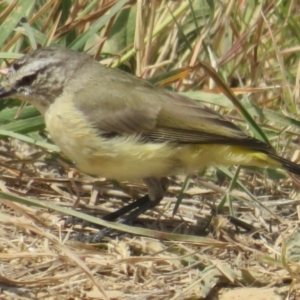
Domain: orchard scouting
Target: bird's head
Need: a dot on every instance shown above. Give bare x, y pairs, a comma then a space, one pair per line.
40, 76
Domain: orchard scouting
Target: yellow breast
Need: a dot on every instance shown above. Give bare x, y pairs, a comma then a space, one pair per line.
121, 158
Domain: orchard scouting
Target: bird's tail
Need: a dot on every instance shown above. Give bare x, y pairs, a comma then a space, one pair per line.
286, 164
264, 157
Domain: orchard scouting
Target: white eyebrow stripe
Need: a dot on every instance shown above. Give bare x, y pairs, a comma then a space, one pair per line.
39, 64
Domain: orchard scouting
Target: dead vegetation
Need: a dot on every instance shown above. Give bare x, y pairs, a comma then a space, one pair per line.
253, 243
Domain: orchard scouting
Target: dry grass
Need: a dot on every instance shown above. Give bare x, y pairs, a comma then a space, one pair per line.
254, 242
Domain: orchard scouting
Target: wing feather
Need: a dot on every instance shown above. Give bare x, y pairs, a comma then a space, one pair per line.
134, 106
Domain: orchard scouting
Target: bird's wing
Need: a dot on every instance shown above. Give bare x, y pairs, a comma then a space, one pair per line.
129, 105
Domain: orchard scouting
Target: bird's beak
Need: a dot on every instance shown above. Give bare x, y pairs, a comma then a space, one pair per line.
4, 93
4, 71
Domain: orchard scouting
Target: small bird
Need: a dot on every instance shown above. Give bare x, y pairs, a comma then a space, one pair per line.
118, 126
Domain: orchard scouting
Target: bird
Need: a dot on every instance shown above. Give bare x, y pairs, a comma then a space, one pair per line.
115, 125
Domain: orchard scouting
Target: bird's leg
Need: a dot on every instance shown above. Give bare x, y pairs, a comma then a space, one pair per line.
126, 209
156, 190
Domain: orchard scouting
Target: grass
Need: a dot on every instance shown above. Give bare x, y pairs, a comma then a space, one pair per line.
239, 57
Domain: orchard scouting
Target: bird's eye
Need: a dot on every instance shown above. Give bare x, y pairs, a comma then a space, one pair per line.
16, 67
28, 80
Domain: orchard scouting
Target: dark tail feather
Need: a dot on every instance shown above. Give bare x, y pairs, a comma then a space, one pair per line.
286, 164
